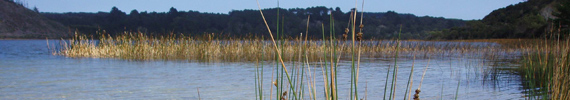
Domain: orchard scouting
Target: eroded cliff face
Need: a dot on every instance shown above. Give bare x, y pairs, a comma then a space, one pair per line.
17, 21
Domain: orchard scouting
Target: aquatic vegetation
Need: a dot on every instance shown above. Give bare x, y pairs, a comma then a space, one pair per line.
547, 71
137, 46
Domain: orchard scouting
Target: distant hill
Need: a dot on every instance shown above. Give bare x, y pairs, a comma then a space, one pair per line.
244, 23
17, 21
529, 19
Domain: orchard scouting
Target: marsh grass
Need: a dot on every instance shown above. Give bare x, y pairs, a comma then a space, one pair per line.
137, 46
547, 72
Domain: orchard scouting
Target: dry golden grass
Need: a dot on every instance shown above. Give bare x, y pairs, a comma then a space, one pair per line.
548, 68
136, 46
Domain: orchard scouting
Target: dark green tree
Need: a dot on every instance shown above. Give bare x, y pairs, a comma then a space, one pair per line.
563, 14
115, 22
36, 10
244, 23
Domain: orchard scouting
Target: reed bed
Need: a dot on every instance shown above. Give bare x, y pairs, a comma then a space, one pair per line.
137, 46
547, 72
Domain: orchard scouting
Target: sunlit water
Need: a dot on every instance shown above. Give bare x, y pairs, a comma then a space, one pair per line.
28, 70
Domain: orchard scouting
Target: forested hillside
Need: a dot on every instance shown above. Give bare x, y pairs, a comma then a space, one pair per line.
243, 23
529, 19
17, 21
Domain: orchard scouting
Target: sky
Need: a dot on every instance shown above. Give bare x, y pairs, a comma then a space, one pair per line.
458, 9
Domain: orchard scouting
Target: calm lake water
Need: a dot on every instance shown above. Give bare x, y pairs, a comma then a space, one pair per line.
28, 70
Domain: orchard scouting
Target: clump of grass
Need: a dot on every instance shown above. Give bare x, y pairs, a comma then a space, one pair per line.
547, 71
137, 46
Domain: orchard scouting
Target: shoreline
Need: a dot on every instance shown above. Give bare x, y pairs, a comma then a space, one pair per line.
31, 38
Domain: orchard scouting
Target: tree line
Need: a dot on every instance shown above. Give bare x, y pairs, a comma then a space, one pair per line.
247, 23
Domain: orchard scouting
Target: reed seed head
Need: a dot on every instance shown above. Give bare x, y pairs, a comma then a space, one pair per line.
417, 95
359, 36
275, 83
344, 36
283, 95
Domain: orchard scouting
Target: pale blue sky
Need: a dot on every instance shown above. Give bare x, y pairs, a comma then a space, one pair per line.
460, 9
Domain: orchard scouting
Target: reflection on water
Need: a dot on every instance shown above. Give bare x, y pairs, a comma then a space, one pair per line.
29, 71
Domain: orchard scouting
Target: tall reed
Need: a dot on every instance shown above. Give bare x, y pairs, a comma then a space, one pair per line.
547, 70
138, 46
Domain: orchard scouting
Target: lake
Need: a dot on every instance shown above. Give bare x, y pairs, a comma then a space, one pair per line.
28, 70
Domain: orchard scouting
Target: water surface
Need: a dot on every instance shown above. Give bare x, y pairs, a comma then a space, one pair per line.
28, 70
